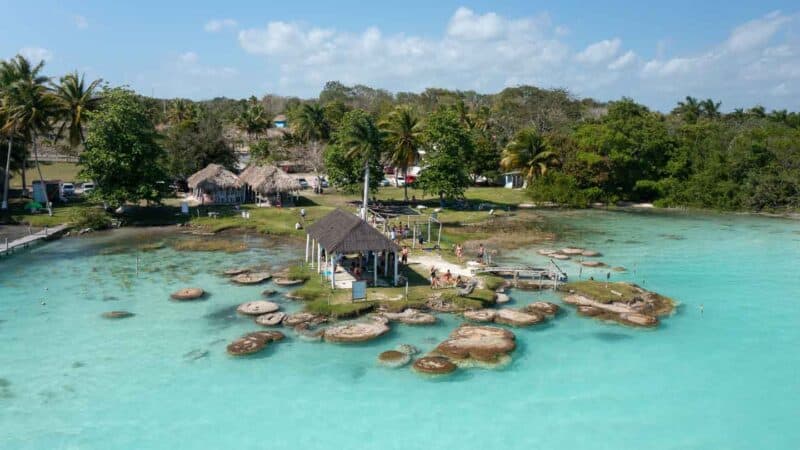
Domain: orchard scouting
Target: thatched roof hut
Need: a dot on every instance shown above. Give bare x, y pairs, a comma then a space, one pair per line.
268, 179
214, 177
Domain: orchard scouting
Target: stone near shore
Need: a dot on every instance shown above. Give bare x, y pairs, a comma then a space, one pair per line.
546, 251
253, 342
434, 365
477, 342
481, 315
559, 256
292, 320
546, 308
306, 331
188, 294
269, 292
593, 264
517, 318
257, 308
501, 298
287, 282
642, 320
589, 311
394, 359
251, 278
572, 251
235, 271
411, 317
590, 253
117, 314
407, 349
270, 319
355, 332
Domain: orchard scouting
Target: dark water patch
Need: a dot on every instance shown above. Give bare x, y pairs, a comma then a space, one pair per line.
223, 316
672, 237
633, 242
216, 341
195, 354
5, 389
78, 364
48, 396
110, 298
610, 336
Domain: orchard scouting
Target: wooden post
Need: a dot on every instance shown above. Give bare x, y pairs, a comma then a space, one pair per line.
308, 241
439, 238
396, 261
319, 257
414, 236
332, 265
429, 229
375, 268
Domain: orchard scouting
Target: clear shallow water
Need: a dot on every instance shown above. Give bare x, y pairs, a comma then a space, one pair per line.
729, 378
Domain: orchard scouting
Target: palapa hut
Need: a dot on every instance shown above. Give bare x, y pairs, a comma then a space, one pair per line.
216, 184
341, 233
268, 185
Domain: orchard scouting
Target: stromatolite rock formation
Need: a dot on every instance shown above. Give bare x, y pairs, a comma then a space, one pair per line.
270, 319
546, 251
257, 308
477, 342
118, 314
407, 349
356, 331
287, 282
517, 318
590, 253
235, 271
559, 256
571, 251
434, 365
593, 263
589, 311
253, 342
307, 332
295, 319
481, 315
501, 298
411, 317
251, 278
188, 294
268, 292
546, 308
394, 359
642, 320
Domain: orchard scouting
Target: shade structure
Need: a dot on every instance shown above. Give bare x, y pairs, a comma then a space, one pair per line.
342, 232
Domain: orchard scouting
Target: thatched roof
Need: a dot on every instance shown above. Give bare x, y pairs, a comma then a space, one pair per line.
279, 118
213, 177
268, 179
343, 232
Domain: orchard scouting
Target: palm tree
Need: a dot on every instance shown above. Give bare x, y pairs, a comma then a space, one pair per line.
179, 110
310, 125
690, 109
75, 98
30, 107
252, 119
363, 141
403, 131
529, 153
710, 109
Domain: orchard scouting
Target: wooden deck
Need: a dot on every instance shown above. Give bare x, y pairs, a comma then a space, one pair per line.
7, 247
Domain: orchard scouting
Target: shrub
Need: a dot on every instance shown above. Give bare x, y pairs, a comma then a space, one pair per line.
562, 189
94, 218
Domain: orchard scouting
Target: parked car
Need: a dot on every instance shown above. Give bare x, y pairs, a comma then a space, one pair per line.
67, 190
385, 182
303, 183
324, 182
87, 187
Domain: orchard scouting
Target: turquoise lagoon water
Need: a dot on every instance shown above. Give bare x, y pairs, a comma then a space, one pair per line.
726, 378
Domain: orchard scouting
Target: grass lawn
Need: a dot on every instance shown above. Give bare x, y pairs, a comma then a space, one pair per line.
601, 291
64, 171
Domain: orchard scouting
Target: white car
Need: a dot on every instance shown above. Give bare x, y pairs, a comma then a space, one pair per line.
87, 187
67, 190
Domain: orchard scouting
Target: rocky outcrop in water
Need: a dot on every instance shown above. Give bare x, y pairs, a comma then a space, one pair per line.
118, 314
253, 342
356, 331
625, 303
394, 359
257, 308
188, 294
292, 320
287, 282
434, 365
476, 342
252, 278
517, 318
270, 319
481, 315
545, 308
411, 317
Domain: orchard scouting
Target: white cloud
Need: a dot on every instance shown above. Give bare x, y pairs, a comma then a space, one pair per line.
216, 25
36, 54
779, 90
189, 63
624, 61
599, 51
465, 24
188, 57
756, 33
80, 22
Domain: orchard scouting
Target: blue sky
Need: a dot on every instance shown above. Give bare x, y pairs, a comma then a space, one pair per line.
741, 53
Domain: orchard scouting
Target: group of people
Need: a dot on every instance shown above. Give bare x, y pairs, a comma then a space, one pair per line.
444, 281
481, 254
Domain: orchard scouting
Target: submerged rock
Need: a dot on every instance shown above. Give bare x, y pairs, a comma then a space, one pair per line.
251, 278
481, 343
305, 331
407, 349
590, 253
394, 358
257, 308
434, 365
546, 251
593, 263
517, 318
270, 319
236, 271
559, 256
253, 342
287, 282
188, 294
481, 315
118, 314
619, 269
572, 251
269, 292
295, 319
356, 332
642, 320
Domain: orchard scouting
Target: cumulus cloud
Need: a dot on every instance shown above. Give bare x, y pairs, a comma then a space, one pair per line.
599, 51
487, 51
216, 25
36, 54
80, 22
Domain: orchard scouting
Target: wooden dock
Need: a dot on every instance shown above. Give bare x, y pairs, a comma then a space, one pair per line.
6, 248
550, 275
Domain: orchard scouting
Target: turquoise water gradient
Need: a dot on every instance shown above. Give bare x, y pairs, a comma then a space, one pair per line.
728, 378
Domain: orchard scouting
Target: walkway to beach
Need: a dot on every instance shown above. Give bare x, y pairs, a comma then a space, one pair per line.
8, 247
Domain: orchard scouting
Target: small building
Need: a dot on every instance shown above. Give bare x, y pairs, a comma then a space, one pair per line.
52, 187
339, 234
279, 121
513, 180
267, 185
218, 185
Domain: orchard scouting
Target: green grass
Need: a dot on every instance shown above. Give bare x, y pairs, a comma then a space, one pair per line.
601, 291
493, 282
64, 171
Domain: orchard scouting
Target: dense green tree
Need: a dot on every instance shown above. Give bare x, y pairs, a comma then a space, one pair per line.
448, 146
195, 143
75, 98
530, 153
121, 153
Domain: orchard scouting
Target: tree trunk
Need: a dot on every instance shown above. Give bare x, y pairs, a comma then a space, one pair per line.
366, 190
8, 166
24, 169
405, 182
41, 178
